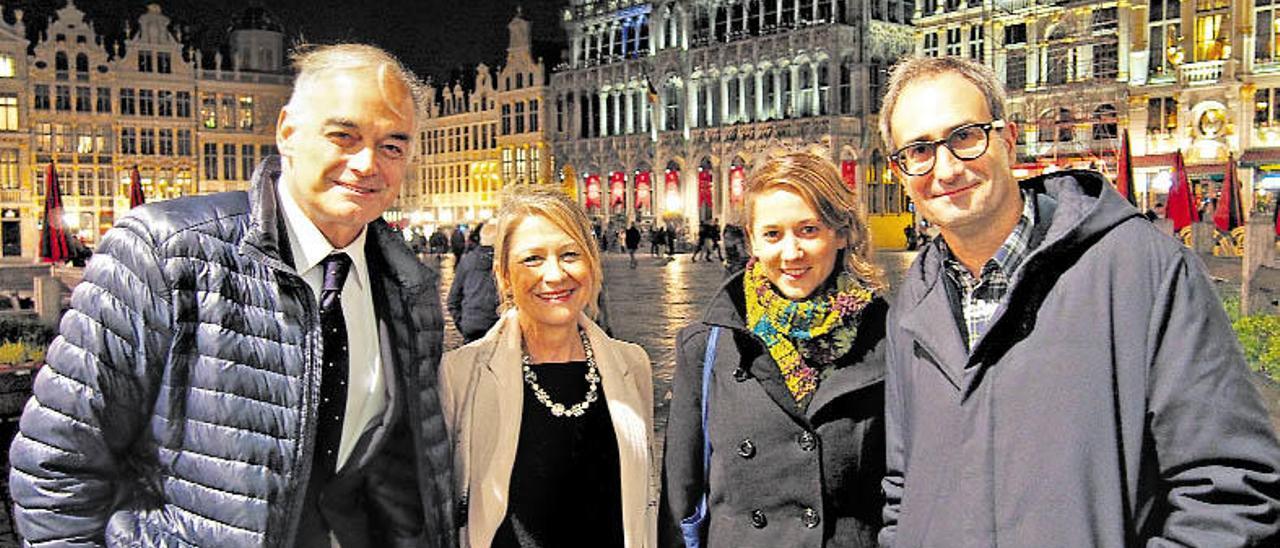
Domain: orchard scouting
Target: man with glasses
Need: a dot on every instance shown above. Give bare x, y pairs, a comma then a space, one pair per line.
1060, 374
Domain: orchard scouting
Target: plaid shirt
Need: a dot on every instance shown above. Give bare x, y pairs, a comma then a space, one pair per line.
980, 296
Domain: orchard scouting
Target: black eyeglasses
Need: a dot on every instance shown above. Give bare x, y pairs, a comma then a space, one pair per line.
966, 142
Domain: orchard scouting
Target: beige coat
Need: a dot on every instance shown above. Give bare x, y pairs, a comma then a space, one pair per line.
482, 393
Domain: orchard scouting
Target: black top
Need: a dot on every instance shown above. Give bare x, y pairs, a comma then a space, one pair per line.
566, 486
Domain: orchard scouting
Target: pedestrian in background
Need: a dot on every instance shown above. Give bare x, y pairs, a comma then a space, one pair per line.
735, 248
552, 420
632, 242
473, 297
220, 379
657, 235
786, 366
1060, 373
457, 244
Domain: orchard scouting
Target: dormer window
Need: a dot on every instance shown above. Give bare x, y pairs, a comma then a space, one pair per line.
145, 62
163, 63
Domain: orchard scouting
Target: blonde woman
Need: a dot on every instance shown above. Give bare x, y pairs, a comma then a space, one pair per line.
551, 420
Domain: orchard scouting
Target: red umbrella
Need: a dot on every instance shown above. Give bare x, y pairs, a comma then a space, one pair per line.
53, 239
1124, 168
1181, 207
136, 197
1229, 214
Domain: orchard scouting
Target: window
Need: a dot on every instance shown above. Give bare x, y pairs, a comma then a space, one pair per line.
227, 112
8, 68
209, 110
1106, 61
247, 162
976, 36
41, 101
104, 101
1104, 20
954, 36
229, 161
84, 99
165, 99
146, 102
1162, 115
521, 162
1015, 34
1164, 32
60, 64
84, 182
9, 169
128, 140
62, 141
1212, 40
84, 140
163, 65
930, 44
1104, 124
128, 105
672, 105
166, 142
63, 98
1061, 59
103, 139
508, 165
1055, 125
183, 100
184, 142
1266, 33
1015, 70
211, 161
846, 86
246, 112
144, 62
9, 112
44, 137
533, 115
506, 119
148, 141
82, 66
876, 72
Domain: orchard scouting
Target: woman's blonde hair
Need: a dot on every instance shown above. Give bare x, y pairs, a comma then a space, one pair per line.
817, 181
520, 202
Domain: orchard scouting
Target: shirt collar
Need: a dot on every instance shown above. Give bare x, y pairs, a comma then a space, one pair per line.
1008, 257
310, 246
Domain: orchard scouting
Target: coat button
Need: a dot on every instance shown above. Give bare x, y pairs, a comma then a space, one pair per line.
810, 518
741, 375
758, 520
746, 449
807, 441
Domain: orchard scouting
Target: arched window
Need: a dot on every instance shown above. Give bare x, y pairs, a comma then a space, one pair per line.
82, 63
60, 62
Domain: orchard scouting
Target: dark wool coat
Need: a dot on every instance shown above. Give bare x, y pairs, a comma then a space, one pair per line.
778, 476
1108, 405
178, 405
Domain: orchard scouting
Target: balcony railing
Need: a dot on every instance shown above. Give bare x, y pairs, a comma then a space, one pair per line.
1205, 72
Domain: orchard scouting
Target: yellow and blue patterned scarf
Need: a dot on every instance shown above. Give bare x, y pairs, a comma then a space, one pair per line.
818, 330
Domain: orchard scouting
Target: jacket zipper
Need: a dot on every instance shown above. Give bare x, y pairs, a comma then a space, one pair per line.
293, 511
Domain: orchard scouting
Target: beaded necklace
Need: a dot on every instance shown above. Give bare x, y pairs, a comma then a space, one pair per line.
558, 409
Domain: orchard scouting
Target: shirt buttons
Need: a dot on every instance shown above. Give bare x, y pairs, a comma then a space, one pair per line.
758, 520
807, 441
746, 449
810, 518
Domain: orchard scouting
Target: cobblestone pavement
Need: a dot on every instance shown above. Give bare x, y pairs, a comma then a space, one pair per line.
649, 304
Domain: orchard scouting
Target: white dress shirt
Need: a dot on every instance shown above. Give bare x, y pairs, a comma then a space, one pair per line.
366, 388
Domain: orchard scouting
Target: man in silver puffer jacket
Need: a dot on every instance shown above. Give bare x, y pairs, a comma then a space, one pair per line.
181, 404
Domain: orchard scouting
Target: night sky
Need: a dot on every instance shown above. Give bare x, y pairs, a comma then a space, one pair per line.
437, 38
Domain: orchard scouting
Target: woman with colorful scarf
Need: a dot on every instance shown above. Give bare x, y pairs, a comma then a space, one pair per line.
791, 449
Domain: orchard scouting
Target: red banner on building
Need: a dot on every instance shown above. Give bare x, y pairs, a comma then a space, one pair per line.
643, 189
849, 172
704, 189
593, 191
673, 182
737, 180
617, 189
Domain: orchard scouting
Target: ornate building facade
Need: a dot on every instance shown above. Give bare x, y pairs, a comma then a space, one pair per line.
663, 106
1196, 76
96, 115
478, 138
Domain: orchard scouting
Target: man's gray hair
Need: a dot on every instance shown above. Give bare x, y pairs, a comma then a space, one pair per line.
914, 68
313, 61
